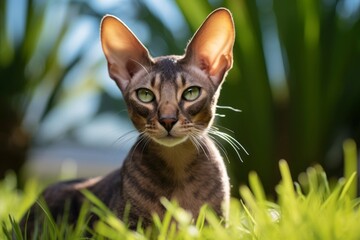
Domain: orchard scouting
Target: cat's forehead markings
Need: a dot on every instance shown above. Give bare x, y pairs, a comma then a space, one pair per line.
180, 80
157, 80
153, 80
168, 67
168, 91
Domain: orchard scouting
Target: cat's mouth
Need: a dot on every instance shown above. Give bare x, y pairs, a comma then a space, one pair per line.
170, 141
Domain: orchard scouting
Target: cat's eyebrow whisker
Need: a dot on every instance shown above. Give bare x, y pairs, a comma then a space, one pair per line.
142, 66
229, 108
220, 115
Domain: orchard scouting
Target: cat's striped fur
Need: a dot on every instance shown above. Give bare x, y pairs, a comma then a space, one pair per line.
172, 101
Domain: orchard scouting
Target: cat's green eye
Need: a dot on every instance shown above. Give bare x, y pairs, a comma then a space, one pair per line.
145, 95
191, 93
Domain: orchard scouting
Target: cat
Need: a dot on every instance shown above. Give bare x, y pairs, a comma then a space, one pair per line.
171, 100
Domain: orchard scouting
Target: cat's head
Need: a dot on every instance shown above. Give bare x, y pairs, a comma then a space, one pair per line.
171, 99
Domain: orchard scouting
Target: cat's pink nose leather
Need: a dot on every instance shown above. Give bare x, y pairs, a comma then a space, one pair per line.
168, 122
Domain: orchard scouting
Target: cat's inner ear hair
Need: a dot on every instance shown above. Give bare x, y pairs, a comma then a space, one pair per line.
125, 54
211, 47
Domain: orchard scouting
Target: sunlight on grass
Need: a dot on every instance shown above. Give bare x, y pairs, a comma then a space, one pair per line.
309, 208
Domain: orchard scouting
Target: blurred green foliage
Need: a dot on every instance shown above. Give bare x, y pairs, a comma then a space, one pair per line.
303, 117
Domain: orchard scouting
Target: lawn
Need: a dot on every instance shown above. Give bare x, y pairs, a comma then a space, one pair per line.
312, 207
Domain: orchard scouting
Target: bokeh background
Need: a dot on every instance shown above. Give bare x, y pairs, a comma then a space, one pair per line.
296, 78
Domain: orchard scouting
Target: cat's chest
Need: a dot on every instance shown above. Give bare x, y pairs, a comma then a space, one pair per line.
207, 186
187, 199
189, 178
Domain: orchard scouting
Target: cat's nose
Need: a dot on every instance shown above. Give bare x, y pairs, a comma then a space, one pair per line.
168, 122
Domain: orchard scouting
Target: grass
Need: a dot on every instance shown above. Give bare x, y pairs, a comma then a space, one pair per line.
310, 208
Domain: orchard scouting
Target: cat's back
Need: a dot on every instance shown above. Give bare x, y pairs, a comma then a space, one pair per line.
66, 197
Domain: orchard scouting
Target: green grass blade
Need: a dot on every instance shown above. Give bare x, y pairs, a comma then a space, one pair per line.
257, 187
348, 187
16, 228
200, 221
49, 219
5, 232
287, 179
350, 166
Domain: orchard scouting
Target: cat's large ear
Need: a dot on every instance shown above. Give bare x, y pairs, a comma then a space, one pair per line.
125, 54
211, 47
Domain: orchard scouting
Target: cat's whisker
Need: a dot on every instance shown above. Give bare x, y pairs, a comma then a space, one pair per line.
142, 137
231, 140
146, 140
226, 136
126, 137
196, 138
199, 143
192, 137
217, 128
221, 147
121, 111
195, 143
233, 146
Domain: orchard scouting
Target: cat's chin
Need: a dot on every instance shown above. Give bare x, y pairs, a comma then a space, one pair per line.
170, 141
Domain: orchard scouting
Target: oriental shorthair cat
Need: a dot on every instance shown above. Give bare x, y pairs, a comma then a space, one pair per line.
171, 100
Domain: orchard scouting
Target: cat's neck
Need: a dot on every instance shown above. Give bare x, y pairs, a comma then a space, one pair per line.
178, 158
